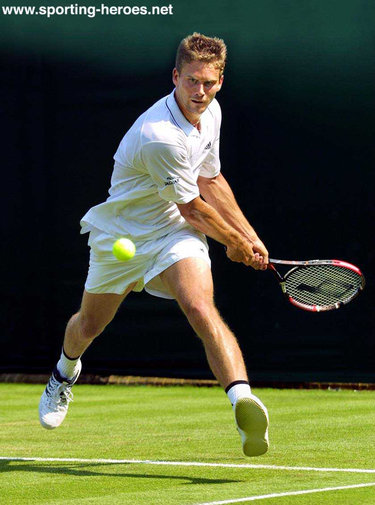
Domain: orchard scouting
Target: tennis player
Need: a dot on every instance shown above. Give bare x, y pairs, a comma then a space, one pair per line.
167, 193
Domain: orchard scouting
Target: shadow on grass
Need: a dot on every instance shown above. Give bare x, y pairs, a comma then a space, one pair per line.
79, 470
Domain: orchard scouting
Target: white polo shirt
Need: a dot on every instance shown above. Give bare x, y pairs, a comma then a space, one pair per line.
157, 165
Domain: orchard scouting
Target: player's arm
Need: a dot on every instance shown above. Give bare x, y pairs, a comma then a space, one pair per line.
170, 170
218, 194
207, 220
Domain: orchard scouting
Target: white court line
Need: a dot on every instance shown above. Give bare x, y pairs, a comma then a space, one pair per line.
192, 464
289, 493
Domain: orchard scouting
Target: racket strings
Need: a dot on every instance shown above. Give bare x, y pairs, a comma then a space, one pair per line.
322, 285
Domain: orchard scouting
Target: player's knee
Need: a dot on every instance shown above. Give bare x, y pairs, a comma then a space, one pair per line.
89, 328
199, 312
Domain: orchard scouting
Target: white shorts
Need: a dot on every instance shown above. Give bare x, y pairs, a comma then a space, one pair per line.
109, 275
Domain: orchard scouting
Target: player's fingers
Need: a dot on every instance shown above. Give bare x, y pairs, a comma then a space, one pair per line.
256, 261
264, 262
260, 247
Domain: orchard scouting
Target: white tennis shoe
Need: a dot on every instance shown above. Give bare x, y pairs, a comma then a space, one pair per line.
54, 403
252, 425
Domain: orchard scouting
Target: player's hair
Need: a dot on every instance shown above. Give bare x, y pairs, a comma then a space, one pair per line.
198, 47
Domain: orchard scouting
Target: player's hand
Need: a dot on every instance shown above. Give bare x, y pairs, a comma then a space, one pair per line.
248, 253
252, 254
260, 255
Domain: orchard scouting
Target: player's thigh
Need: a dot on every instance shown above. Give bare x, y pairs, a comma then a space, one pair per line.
190, 282
98, 309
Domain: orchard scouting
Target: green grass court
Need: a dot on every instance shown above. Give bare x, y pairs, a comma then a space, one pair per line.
310, 429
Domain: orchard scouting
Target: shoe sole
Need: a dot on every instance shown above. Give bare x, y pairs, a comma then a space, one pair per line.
253, 421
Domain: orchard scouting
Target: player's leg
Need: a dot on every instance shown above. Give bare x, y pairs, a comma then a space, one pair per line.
97, 310
190, 282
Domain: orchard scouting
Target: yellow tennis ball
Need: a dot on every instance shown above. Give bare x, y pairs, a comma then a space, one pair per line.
123, 249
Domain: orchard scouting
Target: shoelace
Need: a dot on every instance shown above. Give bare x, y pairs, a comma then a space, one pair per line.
59, 395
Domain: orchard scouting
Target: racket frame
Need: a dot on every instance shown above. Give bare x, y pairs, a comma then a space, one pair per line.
297, 264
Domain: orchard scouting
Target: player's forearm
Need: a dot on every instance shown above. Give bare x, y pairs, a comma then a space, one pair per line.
207, 220
219, 195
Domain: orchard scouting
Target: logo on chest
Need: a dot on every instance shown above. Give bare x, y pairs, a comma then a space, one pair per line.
208, 146
171, 181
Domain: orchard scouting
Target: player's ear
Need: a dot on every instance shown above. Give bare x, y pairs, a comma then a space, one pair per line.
175, 76
221, 80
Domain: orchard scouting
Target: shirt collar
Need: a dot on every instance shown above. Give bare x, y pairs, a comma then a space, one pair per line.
178, 118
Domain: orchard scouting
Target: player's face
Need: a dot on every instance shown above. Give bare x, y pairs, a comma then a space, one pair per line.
196, 87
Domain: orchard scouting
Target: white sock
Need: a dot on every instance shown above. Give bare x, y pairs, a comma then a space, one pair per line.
237, 390
68, 367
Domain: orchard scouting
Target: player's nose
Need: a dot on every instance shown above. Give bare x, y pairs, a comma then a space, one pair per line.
199, 89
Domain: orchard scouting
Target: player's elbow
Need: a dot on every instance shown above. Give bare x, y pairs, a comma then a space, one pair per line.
189, 210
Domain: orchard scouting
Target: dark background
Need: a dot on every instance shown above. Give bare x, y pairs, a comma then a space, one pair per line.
296, 146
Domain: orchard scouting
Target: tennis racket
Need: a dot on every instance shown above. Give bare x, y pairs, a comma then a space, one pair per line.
319, 285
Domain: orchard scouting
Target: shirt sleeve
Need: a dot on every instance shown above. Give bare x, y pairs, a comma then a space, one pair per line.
169, 168
211, 165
